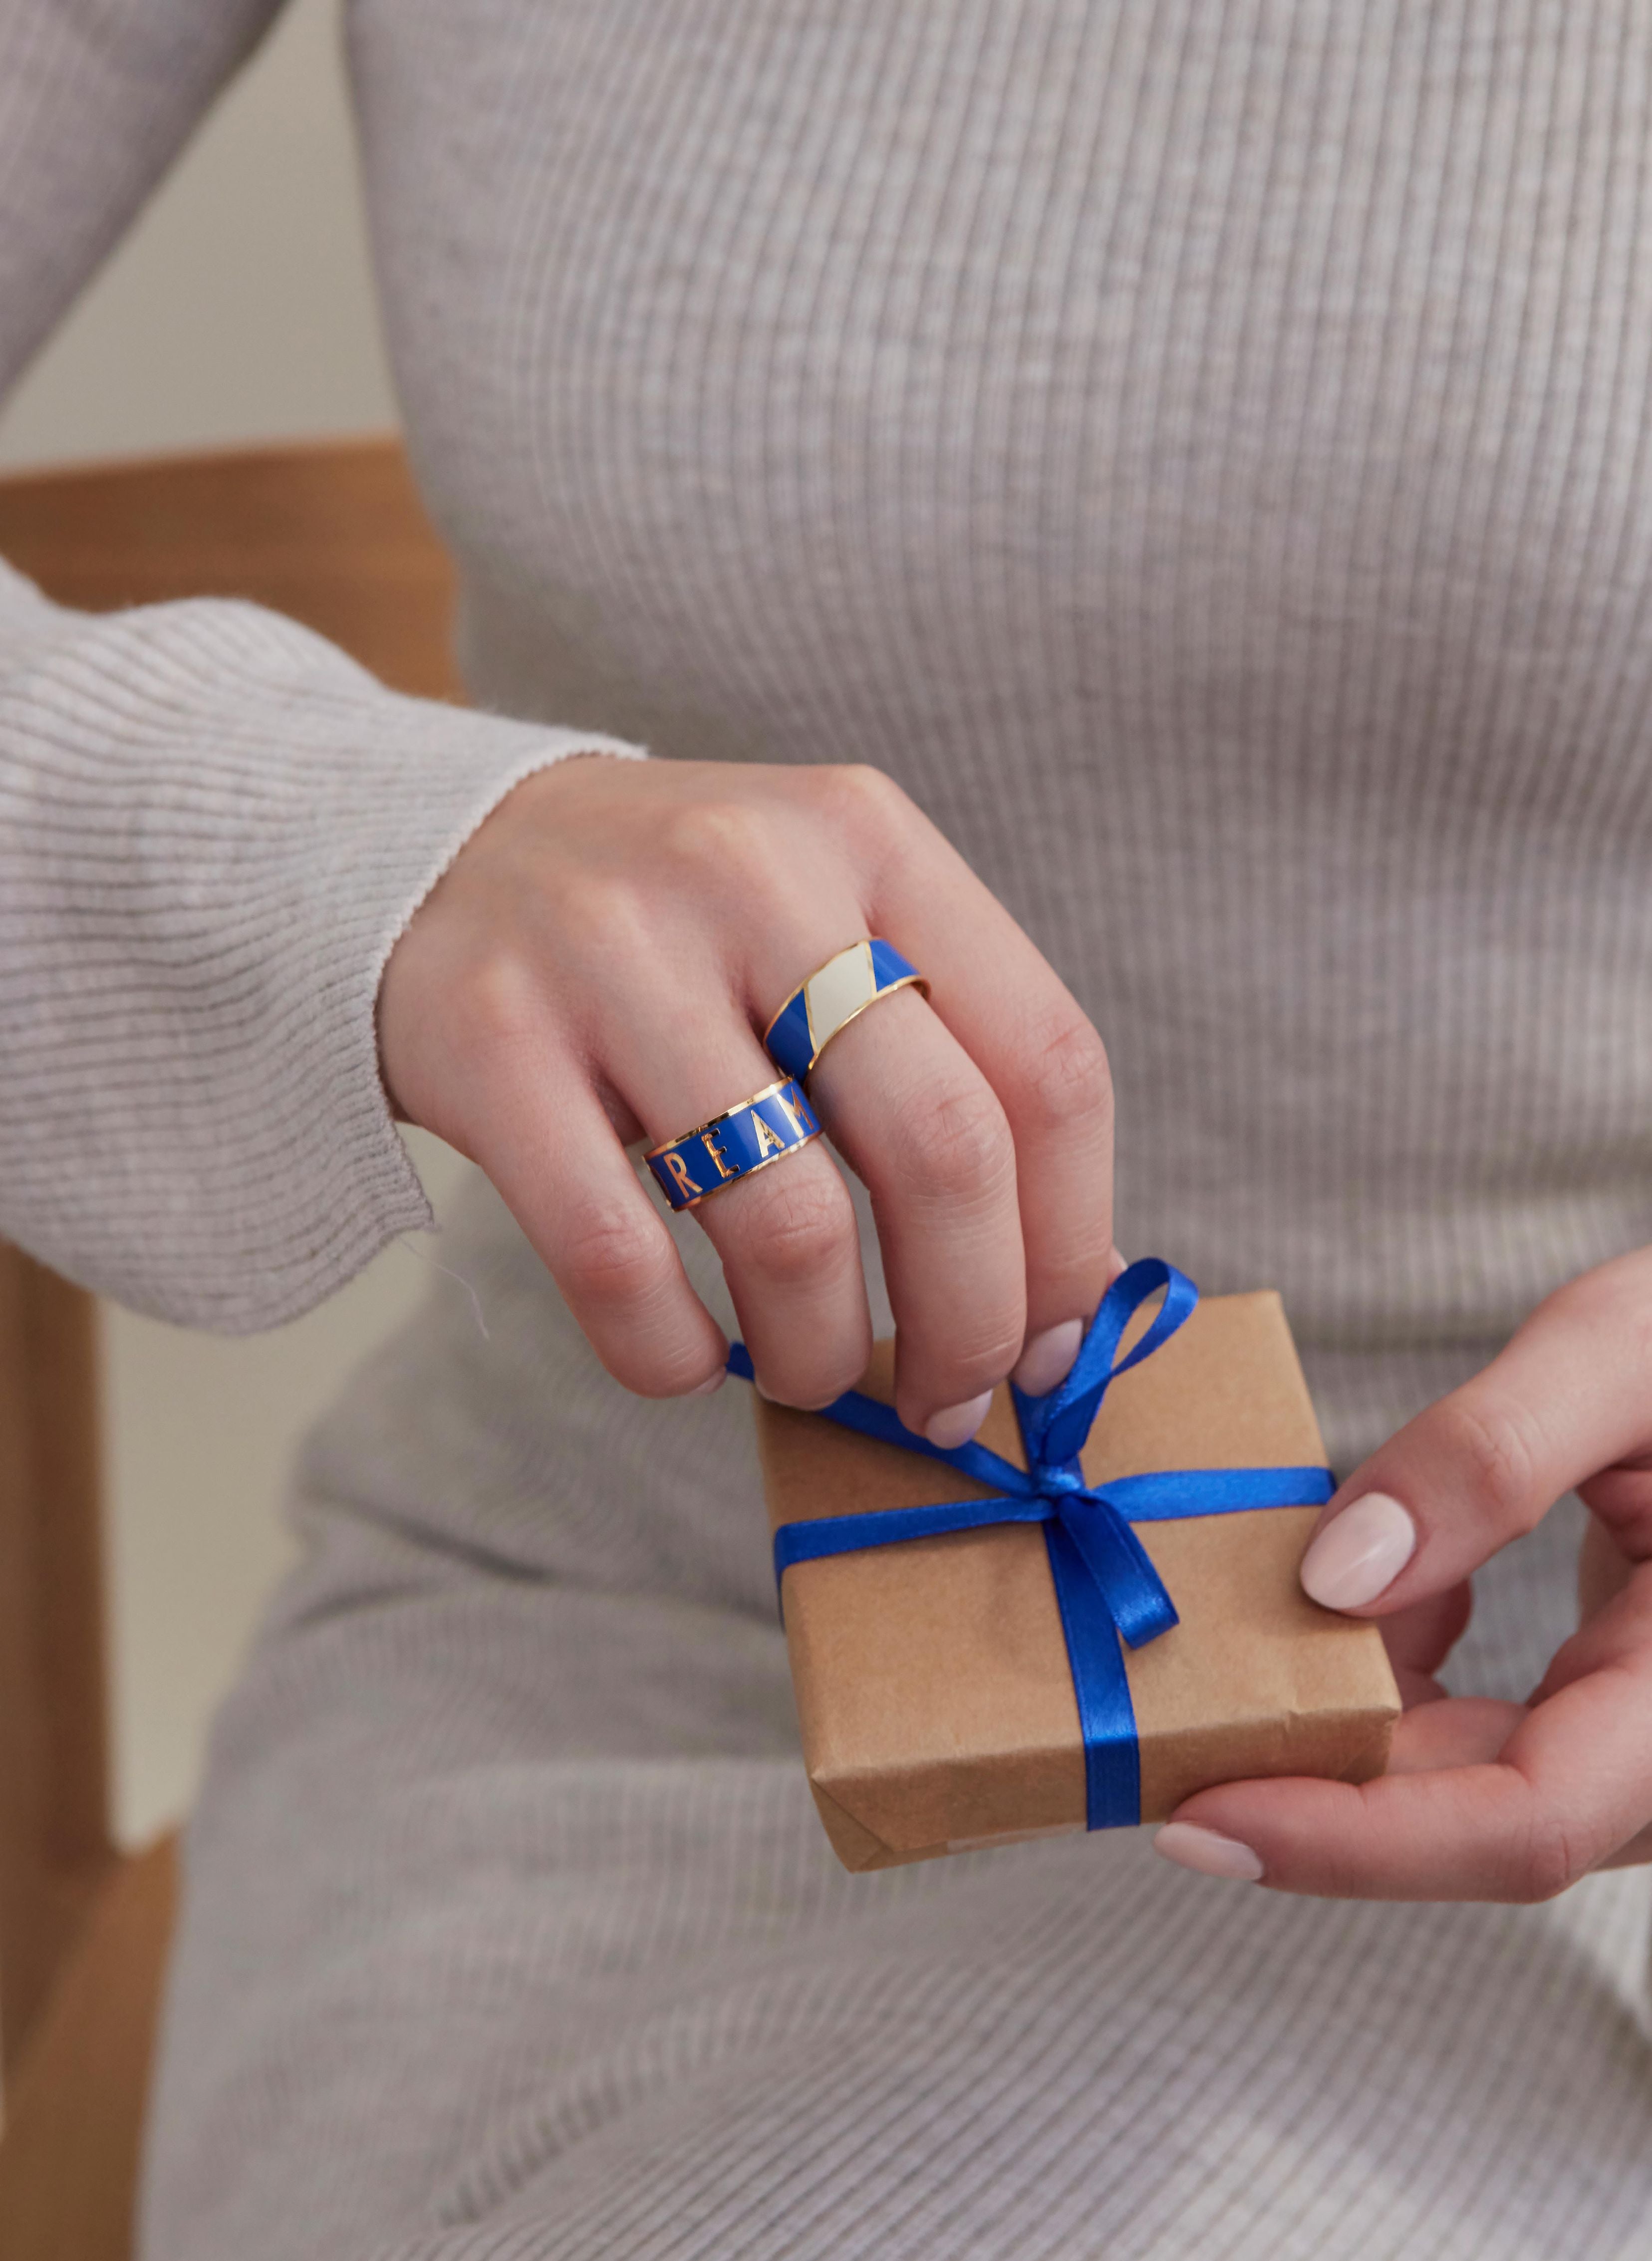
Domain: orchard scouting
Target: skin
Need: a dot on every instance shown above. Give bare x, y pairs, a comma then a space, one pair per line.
596, 968
1495, 1801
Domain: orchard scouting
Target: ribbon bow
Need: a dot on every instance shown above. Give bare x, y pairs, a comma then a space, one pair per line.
1106, 1586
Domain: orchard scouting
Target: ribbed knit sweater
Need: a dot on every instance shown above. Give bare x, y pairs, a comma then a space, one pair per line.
1202, 450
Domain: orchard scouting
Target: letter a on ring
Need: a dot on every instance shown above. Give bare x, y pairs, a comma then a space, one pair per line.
837, 992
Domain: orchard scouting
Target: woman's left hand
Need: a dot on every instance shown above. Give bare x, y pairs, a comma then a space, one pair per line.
1483, 1800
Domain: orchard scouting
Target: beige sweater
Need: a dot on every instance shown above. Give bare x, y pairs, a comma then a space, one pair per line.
1200, 448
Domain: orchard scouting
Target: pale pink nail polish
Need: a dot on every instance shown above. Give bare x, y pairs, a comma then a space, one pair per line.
1047, 1358
1203, 1850
1359, 1553
956, 1425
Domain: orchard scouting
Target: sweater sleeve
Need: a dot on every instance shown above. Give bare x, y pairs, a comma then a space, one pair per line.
213, 826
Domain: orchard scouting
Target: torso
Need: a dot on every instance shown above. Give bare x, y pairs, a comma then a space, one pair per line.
1207, 465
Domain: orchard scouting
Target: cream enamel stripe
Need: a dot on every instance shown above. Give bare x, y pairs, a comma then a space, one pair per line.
836, 993
844, 986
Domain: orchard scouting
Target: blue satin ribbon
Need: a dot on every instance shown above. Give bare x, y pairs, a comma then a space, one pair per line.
1106, 1586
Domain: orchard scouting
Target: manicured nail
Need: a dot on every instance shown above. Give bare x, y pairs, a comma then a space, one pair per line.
712, 1381
956, 1425
1359, 1553
1048, 1357
1189, 1846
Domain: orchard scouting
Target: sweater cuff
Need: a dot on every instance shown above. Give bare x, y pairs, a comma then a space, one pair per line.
213, 827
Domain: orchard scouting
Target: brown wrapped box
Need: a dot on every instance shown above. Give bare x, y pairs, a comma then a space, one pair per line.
932, 1680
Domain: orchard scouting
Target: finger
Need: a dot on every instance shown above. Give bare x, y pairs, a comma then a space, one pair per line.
1569, 1786
1420, 1640
1603, 1569
536, 1127
1036, 1050
918, 1123
1442, 1831
787, 1234
1565, 1399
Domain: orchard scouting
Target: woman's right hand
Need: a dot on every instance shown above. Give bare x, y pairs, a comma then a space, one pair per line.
597, 965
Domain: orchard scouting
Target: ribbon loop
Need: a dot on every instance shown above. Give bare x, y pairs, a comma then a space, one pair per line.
1106, 1586
1067, 1415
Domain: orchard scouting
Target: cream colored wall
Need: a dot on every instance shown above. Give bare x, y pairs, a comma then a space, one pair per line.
240, 308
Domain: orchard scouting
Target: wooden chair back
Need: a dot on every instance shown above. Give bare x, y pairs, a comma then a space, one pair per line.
334, 534
54, 1845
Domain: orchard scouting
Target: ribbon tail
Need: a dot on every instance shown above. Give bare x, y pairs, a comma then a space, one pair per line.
1121, 1566
1107, 1718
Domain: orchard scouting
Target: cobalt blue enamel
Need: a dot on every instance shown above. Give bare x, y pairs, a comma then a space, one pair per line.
773, 1123
835, 995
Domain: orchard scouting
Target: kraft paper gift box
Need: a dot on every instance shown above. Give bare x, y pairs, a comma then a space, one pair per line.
935, 1687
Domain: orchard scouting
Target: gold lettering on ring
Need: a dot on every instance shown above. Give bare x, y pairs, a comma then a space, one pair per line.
767, 1142
678, 1169
717, 1155
796, 1111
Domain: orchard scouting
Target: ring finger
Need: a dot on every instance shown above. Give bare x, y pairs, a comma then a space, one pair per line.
786, 1232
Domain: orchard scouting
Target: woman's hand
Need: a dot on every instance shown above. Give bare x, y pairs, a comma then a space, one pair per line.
1486, 1801
597, 967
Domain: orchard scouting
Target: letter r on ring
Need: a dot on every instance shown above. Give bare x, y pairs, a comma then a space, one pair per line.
678, 1169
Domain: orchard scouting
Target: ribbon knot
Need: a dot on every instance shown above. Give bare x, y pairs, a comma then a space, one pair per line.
1106, 1586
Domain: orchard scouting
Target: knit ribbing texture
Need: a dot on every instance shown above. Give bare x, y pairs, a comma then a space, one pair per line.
1200, 449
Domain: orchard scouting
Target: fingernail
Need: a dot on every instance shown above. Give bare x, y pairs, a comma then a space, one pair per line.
1359, 1553
956, 1425
1048, 1357
1189, 1846
712, 1381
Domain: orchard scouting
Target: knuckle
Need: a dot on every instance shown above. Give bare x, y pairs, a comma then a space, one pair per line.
612, 1257
600, 911
1634, 1319
877, 825
1550, 1861
981, 1356
1492, 1446
495, 1004
962, 1149
726, 839
794, 1230
857, 795
1489, 1443
1067, 1080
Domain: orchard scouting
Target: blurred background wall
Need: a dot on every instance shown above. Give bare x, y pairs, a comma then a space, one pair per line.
238, 309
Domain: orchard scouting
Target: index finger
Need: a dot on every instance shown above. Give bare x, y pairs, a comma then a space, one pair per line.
1566, 1398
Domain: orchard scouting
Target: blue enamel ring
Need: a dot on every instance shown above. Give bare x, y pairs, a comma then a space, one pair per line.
838, 993
773, 1123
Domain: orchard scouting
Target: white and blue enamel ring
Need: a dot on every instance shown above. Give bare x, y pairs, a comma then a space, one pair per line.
838, 993
773, 1123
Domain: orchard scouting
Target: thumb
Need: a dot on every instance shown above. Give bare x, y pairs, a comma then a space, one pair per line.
1569, 1398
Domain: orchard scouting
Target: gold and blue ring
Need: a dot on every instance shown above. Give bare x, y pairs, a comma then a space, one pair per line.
773, 1123
836, 993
